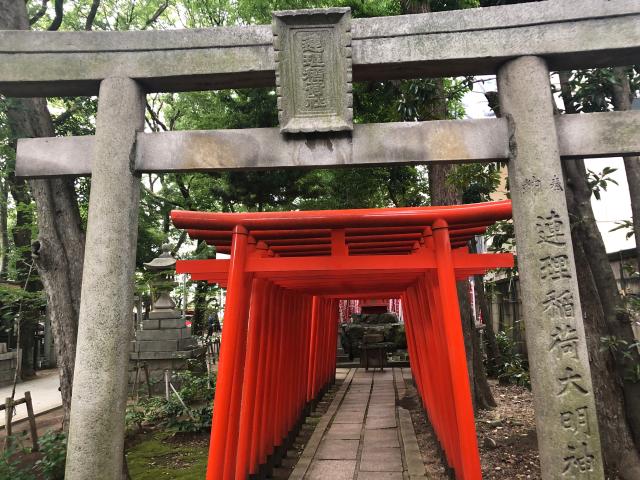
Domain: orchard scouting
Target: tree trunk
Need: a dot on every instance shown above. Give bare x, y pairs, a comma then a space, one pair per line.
200, 303
622, 101
619, 455
480, 392
4, 232
616, 315
21, 234
443, 193
59, 252
494, 356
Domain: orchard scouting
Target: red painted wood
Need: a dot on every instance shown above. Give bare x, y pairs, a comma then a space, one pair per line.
286, 274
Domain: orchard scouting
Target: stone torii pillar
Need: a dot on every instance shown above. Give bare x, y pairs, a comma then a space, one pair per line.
96, 431
567, 426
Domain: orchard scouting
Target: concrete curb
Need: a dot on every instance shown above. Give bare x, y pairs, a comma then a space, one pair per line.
415, 463
25, 419
312, 445
413, 457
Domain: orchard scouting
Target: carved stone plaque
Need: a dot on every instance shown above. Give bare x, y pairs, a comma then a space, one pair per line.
313, 69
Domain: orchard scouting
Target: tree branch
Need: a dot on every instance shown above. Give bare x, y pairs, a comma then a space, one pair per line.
57, 21
156, 118
184, 191
181, 240
159, 199
64, 116
156, 14
92, 15
40, 13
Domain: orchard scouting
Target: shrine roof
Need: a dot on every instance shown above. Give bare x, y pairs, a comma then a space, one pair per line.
380, 231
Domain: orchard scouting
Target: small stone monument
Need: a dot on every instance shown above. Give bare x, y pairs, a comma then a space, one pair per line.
164, 342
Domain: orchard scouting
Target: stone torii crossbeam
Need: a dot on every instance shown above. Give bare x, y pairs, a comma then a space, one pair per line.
519, 43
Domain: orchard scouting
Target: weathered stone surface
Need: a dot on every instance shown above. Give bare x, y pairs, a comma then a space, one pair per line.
374, 423
388, 437
349, 417
313, 69
163, 334
8, 356
380, 476
568, 33
337, 449
96, 433
171, 323
150, 324
6, 376
413, 457
344, 431
334, 469
166, 323
381, 459
6, 364
567, 426
163, 355
485, 140
161, 314
157, 345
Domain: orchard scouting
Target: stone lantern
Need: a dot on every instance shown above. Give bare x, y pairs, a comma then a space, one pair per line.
165, 341
164, 269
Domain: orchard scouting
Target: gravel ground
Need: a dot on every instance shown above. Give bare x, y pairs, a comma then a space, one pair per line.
506, 436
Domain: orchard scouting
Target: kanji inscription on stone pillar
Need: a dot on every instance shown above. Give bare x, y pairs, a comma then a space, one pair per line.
567, 425
313, 73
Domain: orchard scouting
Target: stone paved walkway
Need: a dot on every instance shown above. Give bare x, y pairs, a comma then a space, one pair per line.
363, 436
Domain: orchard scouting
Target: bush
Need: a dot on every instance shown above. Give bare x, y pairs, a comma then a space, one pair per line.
10, 466
196, 391
53, 446
514, 368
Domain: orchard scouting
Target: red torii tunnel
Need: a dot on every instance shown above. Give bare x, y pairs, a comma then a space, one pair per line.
286, 274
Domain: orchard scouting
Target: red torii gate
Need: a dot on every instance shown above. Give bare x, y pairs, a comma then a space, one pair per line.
286, 273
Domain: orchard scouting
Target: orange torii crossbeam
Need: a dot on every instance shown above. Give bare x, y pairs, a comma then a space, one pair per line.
286, 274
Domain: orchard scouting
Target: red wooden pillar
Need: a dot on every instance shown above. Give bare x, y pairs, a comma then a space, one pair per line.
303, 374
442, 398
278, 377
261, 386
322, 339
268, 416
466, 433
327, 340
313, 350
309, 354
232, 352
410, 324
319, 356
249, 393
335, 319
303, 355
289, 367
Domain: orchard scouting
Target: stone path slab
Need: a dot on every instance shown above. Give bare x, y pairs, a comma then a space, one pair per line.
364, 436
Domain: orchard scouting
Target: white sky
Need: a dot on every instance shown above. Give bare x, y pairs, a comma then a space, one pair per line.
614, 205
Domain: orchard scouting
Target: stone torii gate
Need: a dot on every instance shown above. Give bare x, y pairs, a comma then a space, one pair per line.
312, 57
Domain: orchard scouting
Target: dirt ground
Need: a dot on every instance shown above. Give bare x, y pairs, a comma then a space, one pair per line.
506, 437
